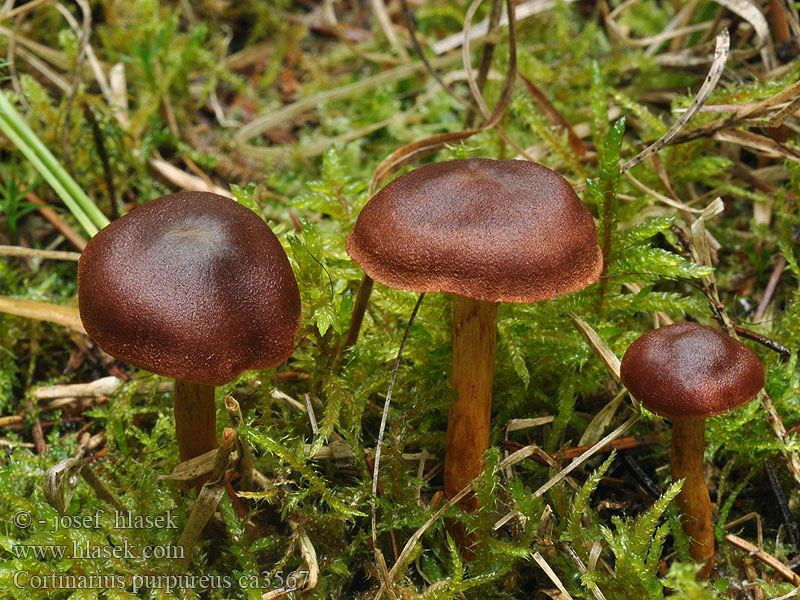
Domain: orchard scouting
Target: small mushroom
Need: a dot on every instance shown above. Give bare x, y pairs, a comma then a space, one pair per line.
486, 231
687, 372
192, 286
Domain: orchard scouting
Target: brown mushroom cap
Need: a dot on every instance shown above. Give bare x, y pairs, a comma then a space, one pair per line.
690, 370
192, 286
494, 230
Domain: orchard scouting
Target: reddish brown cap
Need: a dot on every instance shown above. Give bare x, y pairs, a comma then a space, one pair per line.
690, 370
494, 230
192, 286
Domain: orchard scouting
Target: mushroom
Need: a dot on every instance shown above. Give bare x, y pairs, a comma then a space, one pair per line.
486, 231
192, 286
687, 372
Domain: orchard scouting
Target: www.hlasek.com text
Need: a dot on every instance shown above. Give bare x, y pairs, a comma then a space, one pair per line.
85, 550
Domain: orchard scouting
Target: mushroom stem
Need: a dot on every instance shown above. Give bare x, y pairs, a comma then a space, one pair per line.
688, 445
474, 332
195, 419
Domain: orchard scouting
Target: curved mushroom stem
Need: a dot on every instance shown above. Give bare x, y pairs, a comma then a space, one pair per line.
688, 445
474, 333
195, 421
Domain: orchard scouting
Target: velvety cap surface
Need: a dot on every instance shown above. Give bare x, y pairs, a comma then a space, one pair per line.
192, 286
494, 230
690, 370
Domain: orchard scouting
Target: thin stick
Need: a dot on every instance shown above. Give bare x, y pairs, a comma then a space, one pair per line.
36, 253
551, 574
769, 291
786, 513
764, 557
511, 75
714, 74
486, 55
309, 557
64, 228
28, 6
386, 25
359, 308
38, 433
581, 568
428, 63
384, 418
42, 311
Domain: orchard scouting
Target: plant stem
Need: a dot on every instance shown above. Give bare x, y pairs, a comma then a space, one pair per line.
608, 211
688, 445
195, 421
486, 56
359, 308
15, 128
474, 333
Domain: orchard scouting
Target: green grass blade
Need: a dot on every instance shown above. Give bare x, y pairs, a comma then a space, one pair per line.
88, 215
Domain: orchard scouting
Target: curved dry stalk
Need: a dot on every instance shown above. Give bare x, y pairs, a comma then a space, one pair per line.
654, 40
750, 13
61, 480
551, 574
764, 557
714, 74
384, 418
309, 555
661, 197
54, 57
765, 144
511, 74
598, 344
91, 57
790, 94
412, 32
487, 53
386, 25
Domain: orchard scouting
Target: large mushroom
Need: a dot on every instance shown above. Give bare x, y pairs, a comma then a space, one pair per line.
192, 286
687, 372
486, 231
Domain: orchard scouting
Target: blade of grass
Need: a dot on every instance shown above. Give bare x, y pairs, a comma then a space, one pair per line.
80, 205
